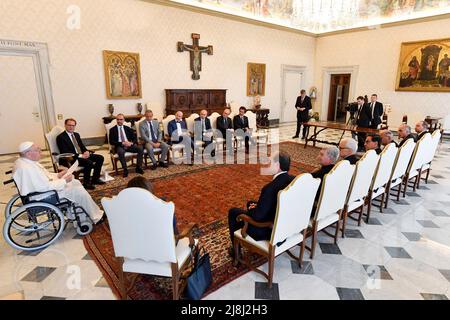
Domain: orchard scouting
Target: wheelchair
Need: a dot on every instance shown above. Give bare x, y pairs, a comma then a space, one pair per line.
35, 221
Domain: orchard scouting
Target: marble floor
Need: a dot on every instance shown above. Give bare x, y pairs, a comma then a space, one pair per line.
403, 253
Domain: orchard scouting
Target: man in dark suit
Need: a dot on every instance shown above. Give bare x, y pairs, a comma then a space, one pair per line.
347, 150
240, 121
124, 139
70, 141
303, 105
224, 124
178, 133
404, 133
152, 137
421, 128
265, 209
373, 142
376, 111
363, 118
327, 157
203, 130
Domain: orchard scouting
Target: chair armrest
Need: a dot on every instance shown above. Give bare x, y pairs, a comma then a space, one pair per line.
187, 232
248, 220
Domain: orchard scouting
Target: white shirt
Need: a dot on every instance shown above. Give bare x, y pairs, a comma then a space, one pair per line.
279, 173
150, 127
373, 108
120, 128
179, 131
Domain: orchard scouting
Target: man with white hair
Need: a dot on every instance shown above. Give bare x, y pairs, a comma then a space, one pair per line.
327, 157
404, 133
421, 128
347, 149
387, 137
30, 176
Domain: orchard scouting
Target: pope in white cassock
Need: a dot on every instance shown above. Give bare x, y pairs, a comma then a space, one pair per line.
31, 176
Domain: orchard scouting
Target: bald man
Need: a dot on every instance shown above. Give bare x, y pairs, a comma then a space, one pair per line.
404, 133
177, 129
421, 128
203, 130
30, 176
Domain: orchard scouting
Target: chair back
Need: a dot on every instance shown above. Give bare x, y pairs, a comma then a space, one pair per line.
213, 118
420, 153
384, 167
190, 121
436, 137
108, 127
334, 191
403, 157
166, 121
51, 140
251, 120
141, 226
294, 207
138, 131
362, 178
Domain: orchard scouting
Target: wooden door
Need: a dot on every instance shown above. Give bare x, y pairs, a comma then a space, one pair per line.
339, 92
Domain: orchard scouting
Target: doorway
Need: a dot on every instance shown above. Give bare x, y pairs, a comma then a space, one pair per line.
338, 98
292, 81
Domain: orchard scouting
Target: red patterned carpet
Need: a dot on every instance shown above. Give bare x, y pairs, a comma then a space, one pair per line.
202, 195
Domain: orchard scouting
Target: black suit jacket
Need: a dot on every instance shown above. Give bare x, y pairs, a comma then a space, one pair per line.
303, 116
222, 125
363, 116
65, 144
409, 136
377, 114
239, 124
114, 135
266, 208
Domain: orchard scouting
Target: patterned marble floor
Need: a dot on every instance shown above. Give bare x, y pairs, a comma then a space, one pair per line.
403, 253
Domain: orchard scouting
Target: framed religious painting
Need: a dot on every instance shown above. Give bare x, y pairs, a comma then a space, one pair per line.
122, 75
424, 66
256, 79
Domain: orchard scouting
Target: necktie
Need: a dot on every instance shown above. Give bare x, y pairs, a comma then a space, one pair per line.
122, 136
154, 139
75, 143
373, 108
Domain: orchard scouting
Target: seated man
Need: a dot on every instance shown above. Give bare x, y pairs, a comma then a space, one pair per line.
224, 125
373, 142
421, 128
387, 137
178, 133
152, 136
30, 176
265, 209
404, 133
124, 139
327, 157
69, 141
241, 122
203, 130
347, 149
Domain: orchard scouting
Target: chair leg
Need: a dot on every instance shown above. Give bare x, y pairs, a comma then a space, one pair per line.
369, 208
418, 178
382, 202
313, 240
344, 221
271, 265
406, 185
428, 174
302, 249
123, 287
361, 212
388, 192
175, 278
338, 227
399, 191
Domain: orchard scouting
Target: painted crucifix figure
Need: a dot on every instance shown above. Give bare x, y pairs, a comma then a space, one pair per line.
195, 53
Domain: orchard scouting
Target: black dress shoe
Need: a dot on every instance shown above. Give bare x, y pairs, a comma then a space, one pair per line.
89, 186
139, 170
99, 182
153, 167
303, 138
125, 173
294, 137
164, 165
102, 219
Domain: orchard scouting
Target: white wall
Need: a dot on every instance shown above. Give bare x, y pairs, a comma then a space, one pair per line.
152, 30
376, 53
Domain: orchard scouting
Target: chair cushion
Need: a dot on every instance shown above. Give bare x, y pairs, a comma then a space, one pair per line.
355, 205
164, 269
396, 182
378, 192
325, 222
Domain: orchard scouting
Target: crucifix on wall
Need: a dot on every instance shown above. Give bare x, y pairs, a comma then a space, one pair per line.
195, 54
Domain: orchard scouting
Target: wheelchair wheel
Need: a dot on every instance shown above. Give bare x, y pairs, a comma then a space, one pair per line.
33, 226
84, 228
12, 204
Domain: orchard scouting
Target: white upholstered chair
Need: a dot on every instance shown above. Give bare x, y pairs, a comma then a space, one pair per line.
429, 156
381, 177
359, 187
54, 150
404, 155
114, 157
294, 207
156, 151
331, 202
418, 159
143, 236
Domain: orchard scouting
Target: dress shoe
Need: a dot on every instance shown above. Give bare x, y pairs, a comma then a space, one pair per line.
294, 137
164, 165
89, 186
125, 173
153, 167
99, 182
102, 219
139, 170
303, 138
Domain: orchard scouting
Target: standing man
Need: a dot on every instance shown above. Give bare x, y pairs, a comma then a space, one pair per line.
363, 118
69, 141
303, 105
376, 111
203, 130
152, 137
124, 140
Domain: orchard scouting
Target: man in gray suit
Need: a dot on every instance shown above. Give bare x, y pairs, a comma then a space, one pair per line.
152, 137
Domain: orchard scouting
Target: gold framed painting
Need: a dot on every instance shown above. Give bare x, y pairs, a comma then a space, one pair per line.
424, 66
122, 75
256, 79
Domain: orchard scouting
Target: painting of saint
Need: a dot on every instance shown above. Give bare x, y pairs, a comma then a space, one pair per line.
122, 73
256, 78
424, 66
